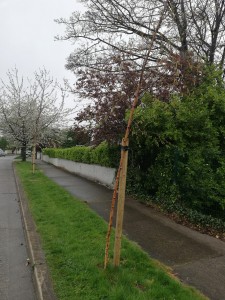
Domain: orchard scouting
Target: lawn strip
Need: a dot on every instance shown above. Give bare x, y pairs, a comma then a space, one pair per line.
73, 240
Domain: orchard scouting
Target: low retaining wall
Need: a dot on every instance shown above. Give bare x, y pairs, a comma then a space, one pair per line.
102, 175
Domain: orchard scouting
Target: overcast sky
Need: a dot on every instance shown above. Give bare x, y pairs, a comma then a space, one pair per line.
27, 31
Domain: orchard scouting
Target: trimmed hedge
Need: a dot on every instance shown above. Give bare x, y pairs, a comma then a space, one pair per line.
103, 154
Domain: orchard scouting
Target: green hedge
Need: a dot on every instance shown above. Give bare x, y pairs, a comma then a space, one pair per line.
179, 148
103, 154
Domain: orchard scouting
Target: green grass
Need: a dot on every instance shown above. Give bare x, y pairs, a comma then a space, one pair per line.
73, 239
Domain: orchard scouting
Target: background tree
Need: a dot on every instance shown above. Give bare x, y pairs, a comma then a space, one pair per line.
3, 143
111, 27
111, 92
76, 136
111, 42
53, 137
27, 110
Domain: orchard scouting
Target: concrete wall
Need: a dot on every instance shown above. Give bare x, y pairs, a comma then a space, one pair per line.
102, 175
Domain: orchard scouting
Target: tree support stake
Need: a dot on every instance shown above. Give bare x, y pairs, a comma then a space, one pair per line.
120, 204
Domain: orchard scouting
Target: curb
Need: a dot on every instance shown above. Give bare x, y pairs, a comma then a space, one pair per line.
42, 281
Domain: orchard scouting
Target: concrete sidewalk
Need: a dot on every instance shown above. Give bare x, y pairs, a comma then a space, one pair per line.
197, 259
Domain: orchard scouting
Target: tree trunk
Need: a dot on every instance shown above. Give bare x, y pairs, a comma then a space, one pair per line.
23, 151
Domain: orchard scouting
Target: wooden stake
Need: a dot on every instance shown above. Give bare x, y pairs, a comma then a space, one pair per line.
114, 198
33, 157
120, 205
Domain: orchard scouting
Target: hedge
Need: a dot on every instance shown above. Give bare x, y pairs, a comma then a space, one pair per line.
103, 154
179, 148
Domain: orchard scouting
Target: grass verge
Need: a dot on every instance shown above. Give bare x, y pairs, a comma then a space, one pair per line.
73, 239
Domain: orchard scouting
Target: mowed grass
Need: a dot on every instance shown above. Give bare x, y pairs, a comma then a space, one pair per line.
73, 239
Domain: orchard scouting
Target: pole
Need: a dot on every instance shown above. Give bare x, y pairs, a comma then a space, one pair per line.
120, 205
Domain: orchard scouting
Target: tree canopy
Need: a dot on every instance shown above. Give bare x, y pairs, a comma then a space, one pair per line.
111, 27
28, 109
111, 39
3, 143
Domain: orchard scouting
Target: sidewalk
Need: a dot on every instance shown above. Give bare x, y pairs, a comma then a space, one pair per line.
15, 276
195, 258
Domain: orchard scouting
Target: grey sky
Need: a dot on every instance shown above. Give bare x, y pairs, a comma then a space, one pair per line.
27, 31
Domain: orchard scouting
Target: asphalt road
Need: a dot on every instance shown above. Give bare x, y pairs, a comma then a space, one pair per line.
15, 276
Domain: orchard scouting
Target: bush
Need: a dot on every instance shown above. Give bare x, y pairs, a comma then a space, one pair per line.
178, 148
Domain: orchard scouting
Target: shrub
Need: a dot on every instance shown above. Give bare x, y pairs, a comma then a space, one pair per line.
178, 148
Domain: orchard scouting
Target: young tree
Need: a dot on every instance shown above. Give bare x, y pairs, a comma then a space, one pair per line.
27, 110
